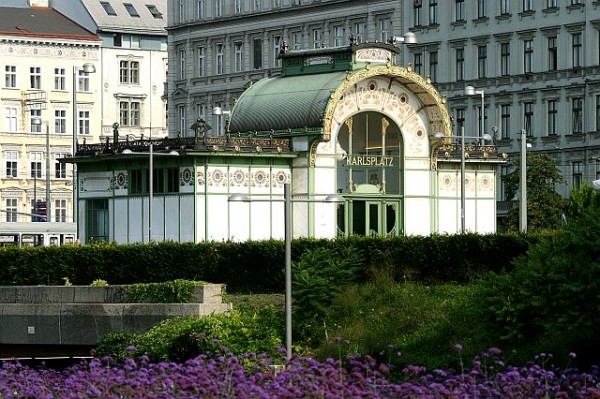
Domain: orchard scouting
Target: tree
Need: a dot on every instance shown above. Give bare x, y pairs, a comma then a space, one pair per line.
545, 207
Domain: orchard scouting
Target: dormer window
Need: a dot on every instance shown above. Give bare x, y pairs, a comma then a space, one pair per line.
108, 8
131, 10
154, 11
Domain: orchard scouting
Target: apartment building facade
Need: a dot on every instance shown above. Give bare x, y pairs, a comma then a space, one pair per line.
218, 48
537, 64
134, 62
45, 95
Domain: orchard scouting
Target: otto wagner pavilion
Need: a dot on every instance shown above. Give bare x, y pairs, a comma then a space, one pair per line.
343, 120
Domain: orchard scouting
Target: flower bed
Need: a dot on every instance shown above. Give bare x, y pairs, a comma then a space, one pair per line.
255, 376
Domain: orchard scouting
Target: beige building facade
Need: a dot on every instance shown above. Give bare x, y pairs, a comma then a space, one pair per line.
43, 56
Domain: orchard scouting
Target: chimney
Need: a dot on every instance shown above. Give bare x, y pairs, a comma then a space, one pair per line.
38, 3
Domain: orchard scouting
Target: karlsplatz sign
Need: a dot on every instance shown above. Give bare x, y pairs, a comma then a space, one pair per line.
366, 160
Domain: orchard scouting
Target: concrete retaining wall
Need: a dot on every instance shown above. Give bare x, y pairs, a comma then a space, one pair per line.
82, 315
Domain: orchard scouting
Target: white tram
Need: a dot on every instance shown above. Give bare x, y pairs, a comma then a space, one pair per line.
28, 234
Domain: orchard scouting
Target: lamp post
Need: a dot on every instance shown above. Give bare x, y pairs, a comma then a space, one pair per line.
287, 210
462, 138
218, 111
86, 68
38, 122
523, 185
151, 155
470, 91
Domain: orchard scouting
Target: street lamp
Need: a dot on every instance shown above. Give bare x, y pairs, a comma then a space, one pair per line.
470, 91
287, 208
85, 68
523, 181
151, 155
218, 111
462, 137
37, 121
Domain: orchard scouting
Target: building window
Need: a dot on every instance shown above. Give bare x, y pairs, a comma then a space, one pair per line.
481, 123
35, 165
481, 8
60, 168
257, 53
129, 112
200, 9
277, 41
219, 67
83, 81
528, 118
552, 54
577, 114
35, 78
504, 172
460, 64
129, 72
60, 121
527, 56
297, 40
257, 5
481, 61
238, 56
181, 64
237, 7
433, 65
504, 7
317, 36
11, 159
131, 10
83, 122
505, 59
418, 13
598, 112
154, 11
97, 222
219, 8
182, 10
527, 5
577, 174
576, 42
505, 121
385, 29
597, 170
11, 119
551, 3
182, 124
552, 117
108, 8
10, 76
433, 12
338, 36
60, 210
34, 114
418, 58
359, 32
574, 2
60, 79
11, 205
460, 120
460, 10
201, 61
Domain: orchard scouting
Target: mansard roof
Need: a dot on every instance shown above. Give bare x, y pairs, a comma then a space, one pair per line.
152, 17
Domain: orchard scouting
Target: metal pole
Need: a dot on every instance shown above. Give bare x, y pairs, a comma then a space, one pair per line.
151, 192
482, 129
288, 269
74, 145
35, 208
462, 179
48, 199
523, 185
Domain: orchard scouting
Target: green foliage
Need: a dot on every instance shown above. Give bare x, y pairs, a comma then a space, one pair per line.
241, 331
545, 206
553, 293
176, 291
99, 283
318, 278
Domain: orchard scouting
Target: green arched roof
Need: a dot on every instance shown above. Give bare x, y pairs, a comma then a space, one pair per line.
284, 102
